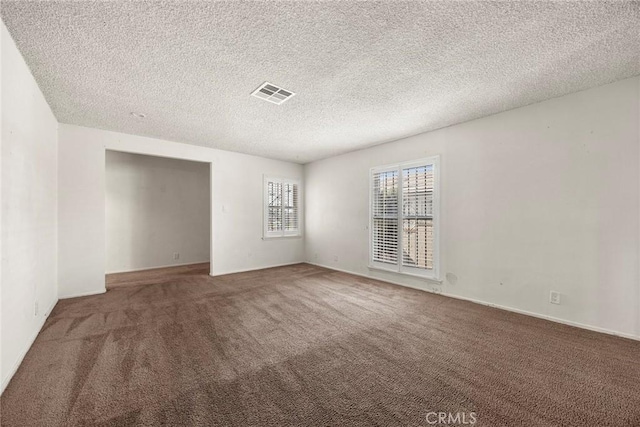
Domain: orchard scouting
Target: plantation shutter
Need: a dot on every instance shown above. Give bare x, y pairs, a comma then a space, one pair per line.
417, 217
290, 193
404, 218
385, 217
274, 207
282, 207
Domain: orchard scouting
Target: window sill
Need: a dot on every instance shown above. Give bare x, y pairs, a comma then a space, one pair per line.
403, 273
299, 236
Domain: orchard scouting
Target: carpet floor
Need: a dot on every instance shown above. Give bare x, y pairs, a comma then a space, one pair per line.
306, 346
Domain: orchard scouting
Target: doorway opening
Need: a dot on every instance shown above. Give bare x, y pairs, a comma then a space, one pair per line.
157, 218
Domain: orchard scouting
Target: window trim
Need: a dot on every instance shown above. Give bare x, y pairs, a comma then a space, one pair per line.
283, 234
433, 274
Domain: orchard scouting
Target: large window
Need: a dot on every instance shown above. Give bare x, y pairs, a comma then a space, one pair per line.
281, 207
404, 217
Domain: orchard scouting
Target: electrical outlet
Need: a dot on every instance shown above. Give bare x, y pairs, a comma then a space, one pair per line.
36, 309
176, 255
554, 297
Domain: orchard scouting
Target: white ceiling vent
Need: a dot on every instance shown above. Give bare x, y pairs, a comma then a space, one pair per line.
272, 93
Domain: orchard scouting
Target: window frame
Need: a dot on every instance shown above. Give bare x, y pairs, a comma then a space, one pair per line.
266, 234
434, 273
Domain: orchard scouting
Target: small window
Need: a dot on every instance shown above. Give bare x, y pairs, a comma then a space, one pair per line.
404, 217
281, 207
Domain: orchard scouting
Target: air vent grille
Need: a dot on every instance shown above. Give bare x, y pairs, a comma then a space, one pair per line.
272, 93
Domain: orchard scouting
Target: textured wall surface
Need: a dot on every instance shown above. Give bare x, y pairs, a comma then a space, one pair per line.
364, 72
155, 207
541, 198
29, 200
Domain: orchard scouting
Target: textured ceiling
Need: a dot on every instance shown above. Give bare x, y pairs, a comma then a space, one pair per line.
363, 72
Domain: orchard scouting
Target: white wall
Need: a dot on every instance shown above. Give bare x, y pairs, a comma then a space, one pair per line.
155, 207
540, 198
29, 213
236, 211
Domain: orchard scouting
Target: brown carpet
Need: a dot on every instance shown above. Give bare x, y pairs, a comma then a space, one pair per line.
156, 276
302, 345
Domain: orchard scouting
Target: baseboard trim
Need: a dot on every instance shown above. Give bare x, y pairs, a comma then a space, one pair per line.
154, 268
498, 306
257, 268
16, 365
83, 294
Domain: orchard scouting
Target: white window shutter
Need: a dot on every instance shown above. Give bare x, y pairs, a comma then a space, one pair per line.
417, 217
404, 218
290, 206
385, 217
281, 207
274, 206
